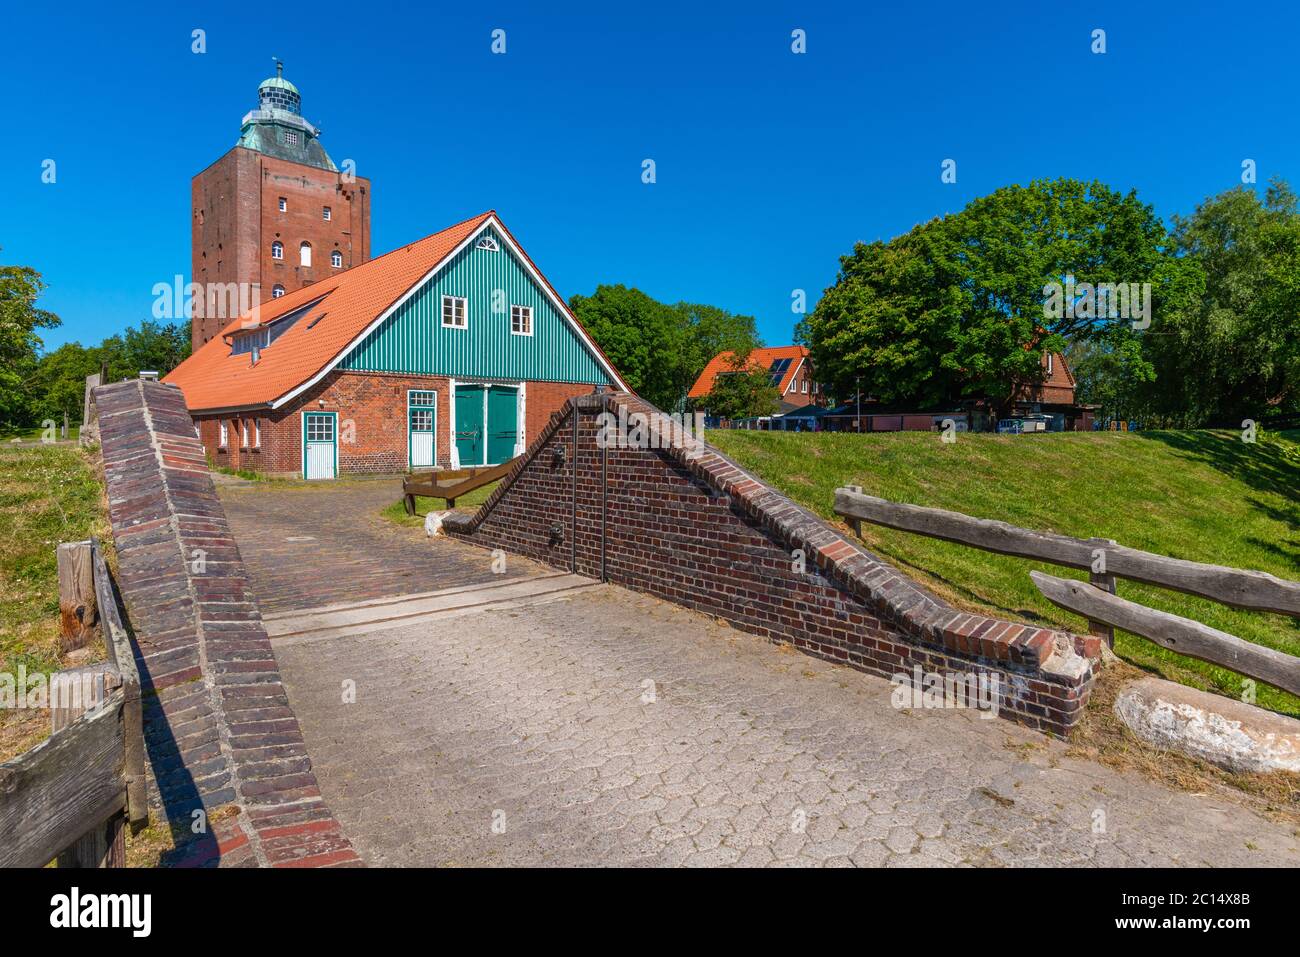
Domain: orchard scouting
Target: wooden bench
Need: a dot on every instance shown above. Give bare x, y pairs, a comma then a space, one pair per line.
451, 484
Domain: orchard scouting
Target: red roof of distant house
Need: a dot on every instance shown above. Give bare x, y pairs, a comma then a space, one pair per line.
342, 308
758, 359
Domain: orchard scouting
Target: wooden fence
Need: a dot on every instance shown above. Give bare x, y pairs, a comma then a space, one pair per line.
1105, 561
71, 796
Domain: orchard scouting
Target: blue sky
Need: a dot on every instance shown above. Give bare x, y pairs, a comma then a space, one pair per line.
769, 164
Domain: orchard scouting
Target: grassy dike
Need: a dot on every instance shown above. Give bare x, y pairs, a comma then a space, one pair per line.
1203, 496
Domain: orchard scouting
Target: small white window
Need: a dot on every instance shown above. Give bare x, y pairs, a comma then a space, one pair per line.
277, 250
521, 320
454, 312
257, 433
222, 439
291, 137
304, 254
1049, 363
488, 243
336, 259
246, 436
284, 204
804, 387
277, 291
327, 214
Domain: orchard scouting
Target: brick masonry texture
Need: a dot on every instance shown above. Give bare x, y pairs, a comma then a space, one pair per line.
218, 727
687, 524
236, 217
371, 408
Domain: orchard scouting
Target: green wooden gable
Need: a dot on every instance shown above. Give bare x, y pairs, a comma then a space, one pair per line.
414, 340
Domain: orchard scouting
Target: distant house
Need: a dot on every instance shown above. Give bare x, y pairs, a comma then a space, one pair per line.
1054, 396
789, 368
453, 350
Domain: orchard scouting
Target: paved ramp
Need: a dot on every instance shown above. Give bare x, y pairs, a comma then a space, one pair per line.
599, 726
312, 545
428, 608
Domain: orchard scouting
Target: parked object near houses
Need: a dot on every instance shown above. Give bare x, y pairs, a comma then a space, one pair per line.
450, 352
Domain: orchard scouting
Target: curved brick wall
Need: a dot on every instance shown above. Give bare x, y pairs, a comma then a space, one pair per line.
219, 731
689, 525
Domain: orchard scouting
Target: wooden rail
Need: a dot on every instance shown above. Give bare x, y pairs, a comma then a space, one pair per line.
1105, 561
1178, 634
450, 484
71, 796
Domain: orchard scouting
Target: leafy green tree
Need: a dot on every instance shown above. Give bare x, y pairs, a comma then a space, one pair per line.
58, 384
20, 343
742, 391
1233, 352
660, 349
955, 308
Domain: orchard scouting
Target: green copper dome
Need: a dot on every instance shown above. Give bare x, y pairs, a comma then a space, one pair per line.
278, 83
277, 127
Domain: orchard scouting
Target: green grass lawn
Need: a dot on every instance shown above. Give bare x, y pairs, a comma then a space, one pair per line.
48, 494
1203, 496
423, 506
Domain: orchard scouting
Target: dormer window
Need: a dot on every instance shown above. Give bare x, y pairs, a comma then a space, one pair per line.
488, 243
250, 341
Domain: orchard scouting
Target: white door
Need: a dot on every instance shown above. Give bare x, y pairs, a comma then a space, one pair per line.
421, 428
318, 453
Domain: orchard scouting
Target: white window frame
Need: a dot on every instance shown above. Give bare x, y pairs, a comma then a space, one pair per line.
257, 433
277, 250
284, 205
290, 137
304, 254
222, 437
336, 255
1049, 363
523, 312
277, 291
325, 211
803, 386
464, 312
243, 424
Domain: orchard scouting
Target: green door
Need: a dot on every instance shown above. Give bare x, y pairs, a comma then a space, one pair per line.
502, 423
469, 424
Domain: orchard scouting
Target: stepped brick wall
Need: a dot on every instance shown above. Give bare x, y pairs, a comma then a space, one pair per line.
219, 731
687, 524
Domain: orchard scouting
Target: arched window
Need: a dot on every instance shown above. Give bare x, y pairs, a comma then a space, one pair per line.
277, 291
304, 254
277, 250
336, 259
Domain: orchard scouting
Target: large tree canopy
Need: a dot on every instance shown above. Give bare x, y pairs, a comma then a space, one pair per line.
1233, 352
20, 343
955, 308
660, 349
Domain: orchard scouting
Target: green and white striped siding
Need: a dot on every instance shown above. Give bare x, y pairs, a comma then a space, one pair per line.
413, 339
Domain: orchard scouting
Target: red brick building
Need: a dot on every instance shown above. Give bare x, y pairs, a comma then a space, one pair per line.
450, 351
274, 214
788, 367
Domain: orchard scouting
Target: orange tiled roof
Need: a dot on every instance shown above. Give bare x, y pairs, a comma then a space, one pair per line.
758, 359
350, 301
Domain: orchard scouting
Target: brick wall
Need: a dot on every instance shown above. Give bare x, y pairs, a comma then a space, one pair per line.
375, 405
236, 215
219, 731
689, 525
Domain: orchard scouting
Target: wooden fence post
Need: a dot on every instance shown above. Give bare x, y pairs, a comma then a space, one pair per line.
1106, 582
76, 595
73, 692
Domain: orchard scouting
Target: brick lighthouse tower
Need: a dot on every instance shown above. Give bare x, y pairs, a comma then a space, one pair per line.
272, 215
